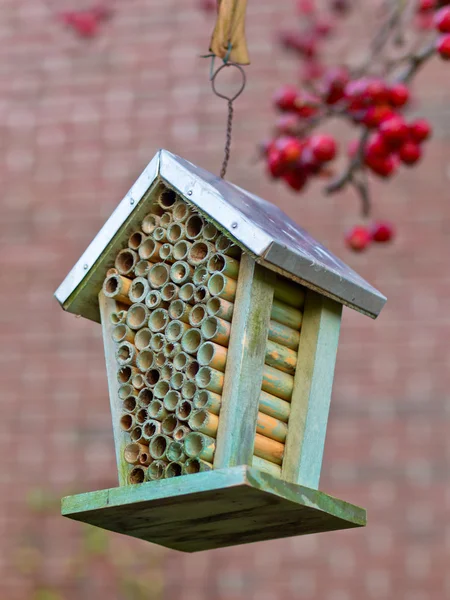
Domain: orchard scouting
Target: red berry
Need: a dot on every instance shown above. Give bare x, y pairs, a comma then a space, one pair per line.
375, 115
295, 179
287, 124
358, 238
275, 165
426, 5
307, 106
410, 153
384, 166
290, 149
394, 131
376, 147
442, 20
398, 94
420, 130
285, 98
443, 46
306, 7
334, 83
382, 232
323, 147
376, 91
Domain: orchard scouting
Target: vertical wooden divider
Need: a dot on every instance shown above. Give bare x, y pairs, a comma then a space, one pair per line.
312, 390
108, 306
243, 374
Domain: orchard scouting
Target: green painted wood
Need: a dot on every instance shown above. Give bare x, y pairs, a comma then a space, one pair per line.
121, 438
313, 382
245, 362
216, 509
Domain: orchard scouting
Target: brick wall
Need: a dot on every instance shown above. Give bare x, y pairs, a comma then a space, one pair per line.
78, 123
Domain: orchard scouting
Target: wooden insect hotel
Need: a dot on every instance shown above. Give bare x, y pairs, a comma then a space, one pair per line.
220, 321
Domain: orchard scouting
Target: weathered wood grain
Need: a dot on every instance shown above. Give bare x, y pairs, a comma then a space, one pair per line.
210, 510
244, 369
313, 382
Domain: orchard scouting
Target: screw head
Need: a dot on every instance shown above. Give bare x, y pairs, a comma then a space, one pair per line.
189, 192
234, 225
131, 201
85, 267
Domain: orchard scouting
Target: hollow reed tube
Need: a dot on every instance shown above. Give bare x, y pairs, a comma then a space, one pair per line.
129, 404
183, 410
145, 360
274, 407
179, 310
142, 268
169, 424
188, 390
159, 275
289, 292
216, 330
198, 314
125, 374
204, 422
137, 475
158, 446
144, 398
181, 272
210, 401
187, 292
177, 380
173, 469
126, 261
195, 465
175, 452
165, 221
166, 253
286, 336
137, 381
142, 338
175, 330
218, 307
277, 383
139, 289
210, 232
150, 428
180, 211
176, 232
192, 369
280, 357
156, 470
212, 355
144, 457
117, 287
194, 227
221, 263
137, 316
199, 445
225, 287
181, 432
118, 317
181, 249
150, 223
268, 449
286, 315
267, 466
201, 275
122, 333
126, 354
149, 250
199, 253
171, 400
169, 292
157, 342
166, 198
125, 390
158, 320
131, 454
154, 300
210, 379
191, 340
135, 240
126, 422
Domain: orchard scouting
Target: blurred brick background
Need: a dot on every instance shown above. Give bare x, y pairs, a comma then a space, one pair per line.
78, 123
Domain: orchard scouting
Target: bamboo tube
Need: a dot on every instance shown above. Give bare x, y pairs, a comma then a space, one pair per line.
170, 349
204, 422
195, 465
226, 246
210, 232
157, 342
265, 465
210, 379
268, 449
277, 383
171, 399
191, 370
131, 454
169, 424
145, 397
158, 320
218, 307
126, 261
180, 211
117, 288
166, 198
161, 388
135, 240
175, 452
156, 410
142, 338
177, 380
156, 470
194, 227
169, 292
166, 220
150, 223
137, 381
187, 292
136, 435
118, 317
202, 295
175, 331
158, 275
150, 428
129, 404
126, 422
271, 428
152, 377
125, 390
181, 272
199, 445
212, 355
173, 469
141, 416
208, 401
122, 333
139, 289
286, 315
181, 249
199, 253
274, 407
167, 371
181, 360
137, 475
201, 275
154, 300
188, 390
183, 410
179, 310
125, 374
142, 268
216, 330
176, 232
149, 250
160, 235
137, 316
126, 354
220, 263
180, 433
145, 360
283, 335
158, 446
225, 287
289, 292
197, 315
281, 358
144, 457
191, 341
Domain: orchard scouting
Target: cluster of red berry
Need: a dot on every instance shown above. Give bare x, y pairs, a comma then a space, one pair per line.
86, 23
360, 237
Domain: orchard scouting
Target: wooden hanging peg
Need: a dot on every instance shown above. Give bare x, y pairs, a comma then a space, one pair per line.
228, 40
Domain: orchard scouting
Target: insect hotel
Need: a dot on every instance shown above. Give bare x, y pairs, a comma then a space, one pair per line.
220, 322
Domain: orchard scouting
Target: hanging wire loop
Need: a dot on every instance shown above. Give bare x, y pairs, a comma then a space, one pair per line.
230, 100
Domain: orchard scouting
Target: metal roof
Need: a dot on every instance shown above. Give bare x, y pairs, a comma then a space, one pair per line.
257, 226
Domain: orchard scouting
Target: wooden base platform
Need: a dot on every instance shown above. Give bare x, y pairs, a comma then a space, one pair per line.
219, 508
